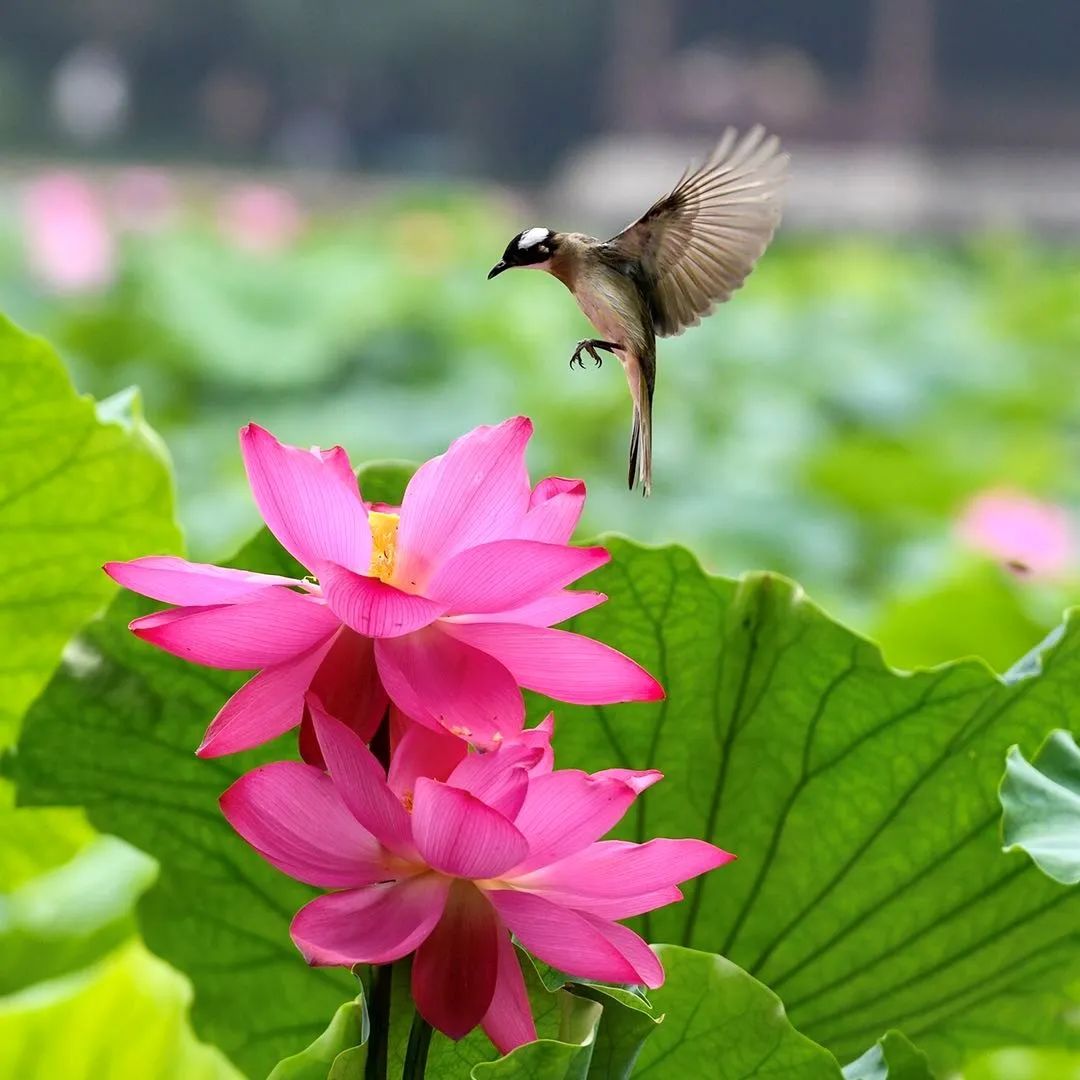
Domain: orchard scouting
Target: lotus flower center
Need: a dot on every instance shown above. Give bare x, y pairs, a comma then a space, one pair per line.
383, 544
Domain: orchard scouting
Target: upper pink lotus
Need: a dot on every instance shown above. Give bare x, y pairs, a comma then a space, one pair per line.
444, 605
452, 853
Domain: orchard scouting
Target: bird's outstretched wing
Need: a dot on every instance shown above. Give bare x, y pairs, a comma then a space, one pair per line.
697, 244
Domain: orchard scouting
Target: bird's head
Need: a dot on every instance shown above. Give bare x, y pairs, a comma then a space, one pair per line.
531, 249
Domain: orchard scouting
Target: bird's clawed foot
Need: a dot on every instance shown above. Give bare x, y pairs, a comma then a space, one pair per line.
590, 345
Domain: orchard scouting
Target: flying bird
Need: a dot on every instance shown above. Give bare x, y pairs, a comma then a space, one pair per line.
668, 269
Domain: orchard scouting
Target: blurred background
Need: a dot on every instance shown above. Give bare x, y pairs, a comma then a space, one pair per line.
285, 212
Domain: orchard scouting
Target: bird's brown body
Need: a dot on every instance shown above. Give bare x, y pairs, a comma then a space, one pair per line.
668, 269
598, 277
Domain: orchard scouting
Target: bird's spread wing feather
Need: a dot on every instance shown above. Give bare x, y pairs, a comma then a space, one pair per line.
697, 244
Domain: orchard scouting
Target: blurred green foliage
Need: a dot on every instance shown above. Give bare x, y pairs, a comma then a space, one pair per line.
829, 423
125, 1018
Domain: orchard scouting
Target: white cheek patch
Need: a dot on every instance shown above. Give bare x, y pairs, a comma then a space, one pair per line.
532, 237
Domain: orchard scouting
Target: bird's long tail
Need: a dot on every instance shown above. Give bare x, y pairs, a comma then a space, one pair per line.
641, 374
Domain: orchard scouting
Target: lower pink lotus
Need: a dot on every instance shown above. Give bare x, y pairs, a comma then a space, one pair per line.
454, 851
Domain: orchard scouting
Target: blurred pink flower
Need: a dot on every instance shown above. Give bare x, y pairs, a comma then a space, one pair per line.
444, 605
69, 245
260, 218
445, 860
143, 199
1028, 535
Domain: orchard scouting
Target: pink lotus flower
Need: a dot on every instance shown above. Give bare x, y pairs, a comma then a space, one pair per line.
261, 219
452, 853
69, 245
1028, 535
444, 606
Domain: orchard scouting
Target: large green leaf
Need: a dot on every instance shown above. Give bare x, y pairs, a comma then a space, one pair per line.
869, 892
79, 484
721, 1022
1041, 800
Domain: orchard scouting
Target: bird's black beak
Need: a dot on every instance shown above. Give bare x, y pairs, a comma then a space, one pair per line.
497, 269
